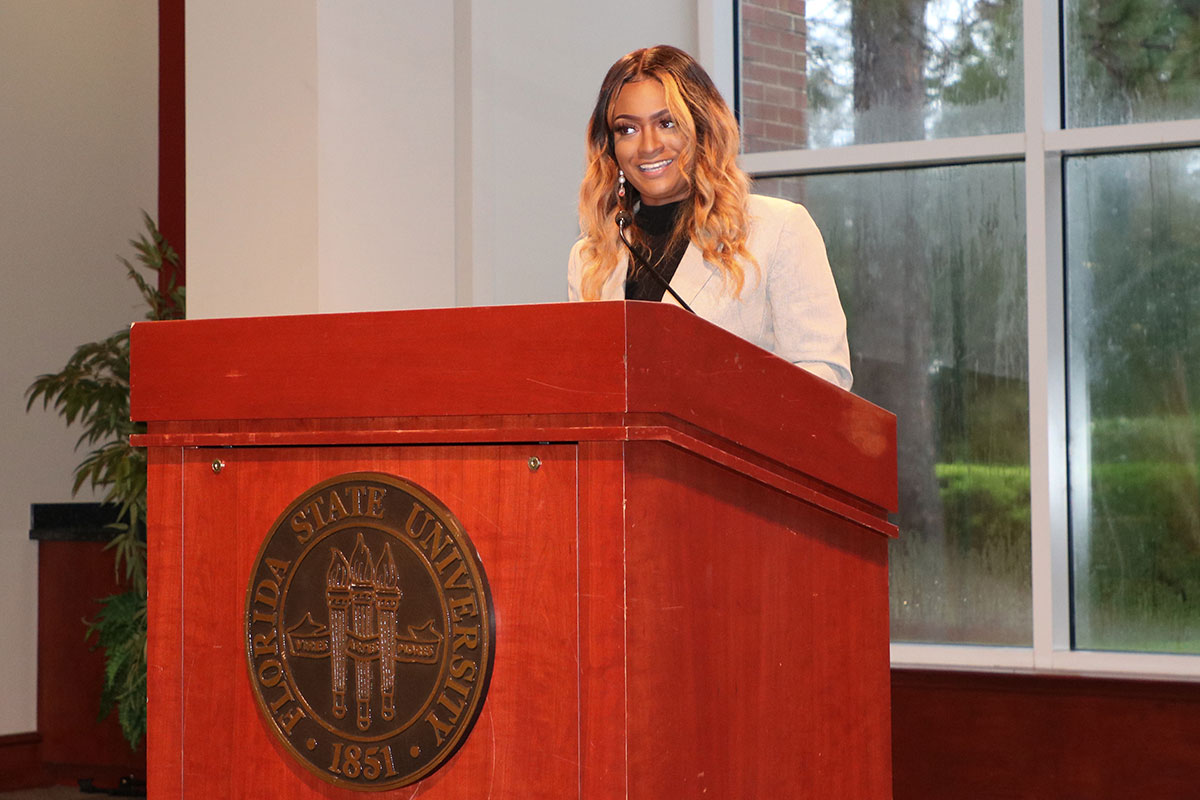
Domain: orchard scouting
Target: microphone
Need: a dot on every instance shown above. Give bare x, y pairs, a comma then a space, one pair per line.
623, 219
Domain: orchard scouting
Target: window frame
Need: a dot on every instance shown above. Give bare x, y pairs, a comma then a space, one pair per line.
1042, 148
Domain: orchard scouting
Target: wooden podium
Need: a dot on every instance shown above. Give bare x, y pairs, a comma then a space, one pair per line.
685, 539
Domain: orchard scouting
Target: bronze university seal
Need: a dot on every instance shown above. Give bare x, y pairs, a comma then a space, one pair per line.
369, 631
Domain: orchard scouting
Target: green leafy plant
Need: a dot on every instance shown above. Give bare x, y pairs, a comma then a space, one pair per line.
92, 390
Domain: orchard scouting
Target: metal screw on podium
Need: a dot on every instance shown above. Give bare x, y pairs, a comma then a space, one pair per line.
217, 466
534, 463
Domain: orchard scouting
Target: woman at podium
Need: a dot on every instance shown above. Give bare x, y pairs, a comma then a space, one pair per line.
662, 183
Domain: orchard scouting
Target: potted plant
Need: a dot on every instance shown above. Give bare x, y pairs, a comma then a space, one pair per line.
92, 390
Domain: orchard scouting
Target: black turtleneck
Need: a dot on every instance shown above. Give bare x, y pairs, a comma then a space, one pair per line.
654, 224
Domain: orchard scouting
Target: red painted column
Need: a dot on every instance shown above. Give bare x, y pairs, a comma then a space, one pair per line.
172, 173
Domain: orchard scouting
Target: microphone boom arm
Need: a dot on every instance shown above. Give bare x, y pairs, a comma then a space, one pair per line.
623, 219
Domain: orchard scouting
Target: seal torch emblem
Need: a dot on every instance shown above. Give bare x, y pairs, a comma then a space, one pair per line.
369, 631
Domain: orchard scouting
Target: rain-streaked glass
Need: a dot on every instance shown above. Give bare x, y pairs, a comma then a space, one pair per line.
930, 264
1131, 61
825, 73
1133, 260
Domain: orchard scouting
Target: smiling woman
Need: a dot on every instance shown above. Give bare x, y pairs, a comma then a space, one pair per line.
662, 149
647, 143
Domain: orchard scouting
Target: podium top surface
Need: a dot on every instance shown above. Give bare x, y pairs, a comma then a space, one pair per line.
552, 359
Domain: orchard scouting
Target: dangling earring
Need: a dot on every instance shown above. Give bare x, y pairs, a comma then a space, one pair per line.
620, 183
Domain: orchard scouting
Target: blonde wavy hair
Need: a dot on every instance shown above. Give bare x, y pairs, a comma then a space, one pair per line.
716, 218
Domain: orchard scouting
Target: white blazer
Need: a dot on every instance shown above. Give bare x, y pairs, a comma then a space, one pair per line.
789, 307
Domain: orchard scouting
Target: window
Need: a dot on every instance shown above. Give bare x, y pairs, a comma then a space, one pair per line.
1133, 278
1131, 61
931, 270
824, 73
1011, 221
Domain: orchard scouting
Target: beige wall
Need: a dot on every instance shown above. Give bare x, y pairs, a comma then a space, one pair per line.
78, 145
251, 157
393, 153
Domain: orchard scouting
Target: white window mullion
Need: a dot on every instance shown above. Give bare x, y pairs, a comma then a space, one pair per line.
886, 155
1050, 576
1128, 665
1149, 666
1136, 136
955, 656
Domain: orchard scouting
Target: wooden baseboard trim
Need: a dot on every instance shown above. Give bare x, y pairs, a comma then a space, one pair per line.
20, 761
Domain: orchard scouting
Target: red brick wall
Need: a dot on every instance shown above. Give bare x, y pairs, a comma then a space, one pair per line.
773, 35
